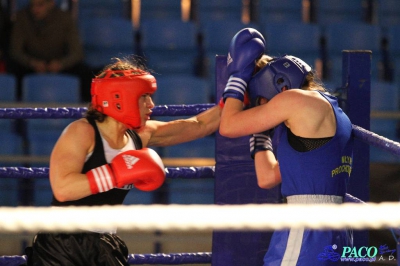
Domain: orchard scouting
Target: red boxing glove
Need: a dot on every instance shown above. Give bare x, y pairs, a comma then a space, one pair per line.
142, 168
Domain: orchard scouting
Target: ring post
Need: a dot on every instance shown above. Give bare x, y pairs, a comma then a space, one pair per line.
356, 79
236, 183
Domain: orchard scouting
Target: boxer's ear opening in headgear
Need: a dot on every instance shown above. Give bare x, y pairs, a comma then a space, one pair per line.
117, 94
281, 73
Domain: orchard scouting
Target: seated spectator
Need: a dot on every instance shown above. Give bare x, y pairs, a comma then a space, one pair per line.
45, 39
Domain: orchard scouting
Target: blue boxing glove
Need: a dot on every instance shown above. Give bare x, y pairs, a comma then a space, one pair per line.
260, 142
245, 48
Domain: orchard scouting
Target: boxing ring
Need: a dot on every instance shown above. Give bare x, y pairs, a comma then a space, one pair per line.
243, 216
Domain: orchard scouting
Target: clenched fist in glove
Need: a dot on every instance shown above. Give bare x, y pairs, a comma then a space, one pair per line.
260, 142
245, 48
142, 168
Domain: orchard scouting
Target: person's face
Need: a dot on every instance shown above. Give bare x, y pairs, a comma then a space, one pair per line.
40, 8
145, 106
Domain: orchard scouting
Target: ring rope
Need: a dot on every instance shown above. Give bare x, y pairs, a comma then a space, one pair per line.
201, 217
77, 112
170, 259
171, 172
376, 140
138, 259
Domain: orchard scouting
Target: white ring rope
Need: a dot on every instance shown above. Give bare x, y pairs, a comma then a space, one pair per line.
201, 217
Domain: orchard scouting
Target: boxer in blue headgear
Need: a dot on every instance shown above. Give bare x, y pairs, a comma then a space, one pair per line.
312, 159
281, 73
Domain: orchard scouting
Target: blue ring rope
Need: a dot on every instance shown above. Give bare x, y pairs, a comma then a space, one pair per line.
172, 173
138, 259
78, 112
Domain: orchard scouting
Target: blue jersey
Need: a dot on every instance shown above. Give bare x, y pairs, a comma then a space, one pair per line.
315, 177
325, 170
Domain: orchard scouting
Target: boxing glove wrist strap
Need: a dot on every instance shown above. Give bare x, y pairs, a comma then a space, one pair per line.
235, 88
101, 179
260, 142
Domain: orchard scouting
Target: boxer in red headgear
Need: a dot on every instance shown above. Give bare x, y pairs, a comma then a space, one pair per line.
119, 97
100, 157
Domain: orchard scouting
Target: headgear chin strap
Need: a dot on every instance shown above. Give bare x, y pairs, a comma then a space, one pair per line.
118, 97
287, 71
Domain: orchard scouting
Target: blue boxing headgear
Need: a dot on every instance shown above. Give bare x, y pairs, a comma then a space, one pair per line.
287, 71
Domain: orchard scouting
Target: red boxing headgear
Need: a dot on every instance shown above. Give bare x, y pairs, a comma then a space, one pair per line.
118, 97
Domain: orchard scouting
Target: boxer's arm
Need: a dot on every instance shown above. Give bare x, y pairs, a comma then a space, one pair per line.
267, 169
266, 166
67, 160
157, 133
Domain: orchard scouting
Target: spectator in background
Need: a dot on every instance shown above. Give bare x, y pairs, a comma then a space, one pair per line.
45, 39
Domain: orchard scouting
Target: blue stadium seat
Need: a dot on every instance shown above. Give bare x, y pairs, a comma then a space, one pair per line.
219, 10
181, 89
89, 9
104, 38
51, 88
352, 36
393, 35
384, 97
396, 70
8, 88
194, 191
217, 35
42, 194
170, 46
42, 134
204, 147
336, 11
160, 9
20, 4
9, 192
12, 145
298, 39
7, 125
272, 11
388, 12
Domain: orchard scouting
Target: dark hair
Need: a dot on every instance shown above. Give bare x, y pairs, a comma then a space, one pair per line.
117, 68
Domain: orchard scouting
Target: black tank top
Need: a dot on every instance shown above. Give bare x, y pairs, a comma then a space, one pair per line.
112, 197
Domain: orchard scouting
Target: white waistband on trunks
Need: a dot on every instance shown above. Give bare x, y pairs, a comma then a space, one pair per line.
313, 198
